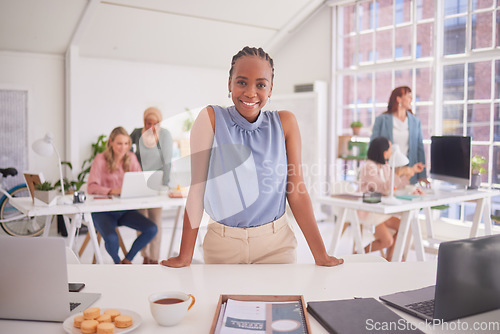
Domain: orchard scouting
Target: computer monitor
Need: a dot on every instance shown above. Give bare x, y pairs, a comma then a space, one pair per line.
450, 159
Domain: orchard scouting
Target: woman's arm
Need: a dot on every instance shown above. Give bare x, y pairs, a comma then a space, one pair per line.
97, 171
202, 135
297, 194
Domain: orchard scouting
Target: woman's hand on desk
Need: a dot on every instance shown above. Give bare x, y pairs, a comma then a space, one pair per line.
176, 262
329, 261
115, 191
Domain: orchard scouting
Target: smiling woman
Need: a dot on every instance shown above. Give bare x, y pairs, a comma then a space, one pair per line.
232, 149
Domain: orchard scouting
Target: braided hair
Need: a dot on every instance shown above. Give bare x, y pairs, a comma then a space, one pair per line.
250, 51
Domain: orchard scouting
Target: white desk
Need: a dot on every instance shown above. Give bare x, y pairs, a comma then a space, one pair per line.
75, 214
128, 287
409, 211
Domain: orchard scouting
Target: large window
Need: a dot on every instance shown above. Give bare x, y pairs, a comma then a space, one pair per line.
447, 51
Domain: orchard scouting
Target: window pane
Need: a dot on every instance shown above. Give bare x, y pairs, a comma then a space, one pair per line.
453, 82
479, 80
402, 78
496, 124
496, 166
404, 40
454, 36
384, 45
425, 33
453, 119
478, 118
425, 9
366, 45
402, 11
347, 118
424, 85
365, 88
455, 7
365, 116
349, 14
480, 4
497, 79
364, 16
424, 114
481, 30
498, 28
385, 10
349, 51
348, 91
383, 86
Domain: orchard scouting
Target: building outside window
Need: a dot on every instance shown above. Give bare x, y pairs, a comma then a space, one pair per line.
447, 51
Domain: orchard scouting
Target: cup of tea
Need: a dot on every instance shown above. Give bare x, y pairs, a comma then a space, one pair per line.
168, 308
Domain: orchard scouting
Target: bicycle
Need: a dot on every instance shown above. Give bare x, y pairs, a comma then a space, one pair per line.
13, 221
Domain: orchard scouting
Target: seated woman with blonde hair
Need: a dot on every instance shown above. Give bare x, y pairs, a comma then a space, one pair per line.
106, 178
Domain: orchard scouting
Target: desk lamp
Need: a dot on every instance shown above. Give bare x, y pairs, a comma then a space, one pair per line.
45, 147
397, 159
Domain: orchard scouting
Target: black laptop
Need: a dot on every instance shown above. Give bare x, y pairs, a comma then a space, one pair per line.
467, 283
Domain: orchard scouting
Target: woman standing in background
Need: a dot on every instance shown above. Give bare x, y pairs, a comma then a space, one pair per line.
153, 147
402, 127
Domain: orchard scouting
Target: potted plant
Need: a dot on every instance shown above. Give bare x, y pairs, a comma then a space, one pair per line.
356, 127
45, 192
97, 147
477, 166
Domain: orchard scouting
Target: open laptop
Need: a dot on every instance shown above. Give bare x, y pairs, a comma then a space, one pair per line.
142, 184
467, 283
34, 280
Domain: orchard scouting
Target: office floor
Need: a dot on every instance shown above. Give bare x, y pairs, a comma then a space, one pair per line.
303, 253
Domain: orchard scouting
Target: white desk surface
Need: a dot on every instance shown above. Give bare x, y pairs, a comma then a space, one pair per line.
438, 197
26, 205
128, 287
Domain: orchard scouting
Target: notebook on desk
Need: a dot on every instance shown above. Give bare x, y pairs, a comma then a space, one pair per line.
34, 281
142, 184
467, 282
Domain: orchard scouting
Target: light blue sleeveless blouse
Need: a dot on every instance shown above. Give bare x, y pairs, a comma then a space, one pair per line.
247, 173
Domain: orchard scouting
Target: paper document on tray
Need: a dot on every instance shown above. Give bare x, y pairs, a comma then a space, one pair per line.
263, 317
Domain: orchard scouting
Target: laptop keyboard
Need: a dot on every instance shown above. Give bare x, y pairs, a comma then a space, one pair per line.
426, 307
72, 306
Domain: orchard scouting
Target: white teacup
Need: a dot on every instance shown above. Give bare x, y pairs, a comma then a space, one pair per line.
168, 308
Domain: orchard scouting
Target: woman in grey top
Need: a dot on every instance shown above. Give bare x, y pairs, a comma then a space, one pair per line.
153, 147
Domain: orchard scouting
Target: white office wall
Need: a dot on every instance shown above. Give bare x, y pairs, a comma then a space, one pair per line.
304, 57
43, 77
110, 93
107, 93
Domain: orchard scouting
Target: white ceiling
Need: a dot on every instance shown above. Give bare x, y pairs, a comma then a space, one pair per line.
182, 32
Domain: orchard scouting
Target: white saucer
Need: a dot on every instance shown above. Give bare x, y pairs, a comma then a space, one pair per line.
136, 322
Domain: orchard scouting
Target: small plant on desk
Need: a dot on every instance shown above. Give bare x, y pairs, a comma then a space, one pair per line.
45, 192
356, 127
477, 163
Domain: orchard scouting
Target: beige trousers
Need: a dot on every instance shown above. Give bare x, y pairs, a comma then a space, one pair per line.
274, 242
152, 250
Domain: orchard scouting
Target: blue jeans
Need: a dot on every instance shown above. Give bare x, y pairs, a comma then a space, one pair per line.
106, 223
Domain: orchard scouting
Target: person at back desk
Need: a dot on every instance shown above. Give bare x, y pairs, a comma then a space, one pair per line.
153, 148
402, 127
106, 178
375, 176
